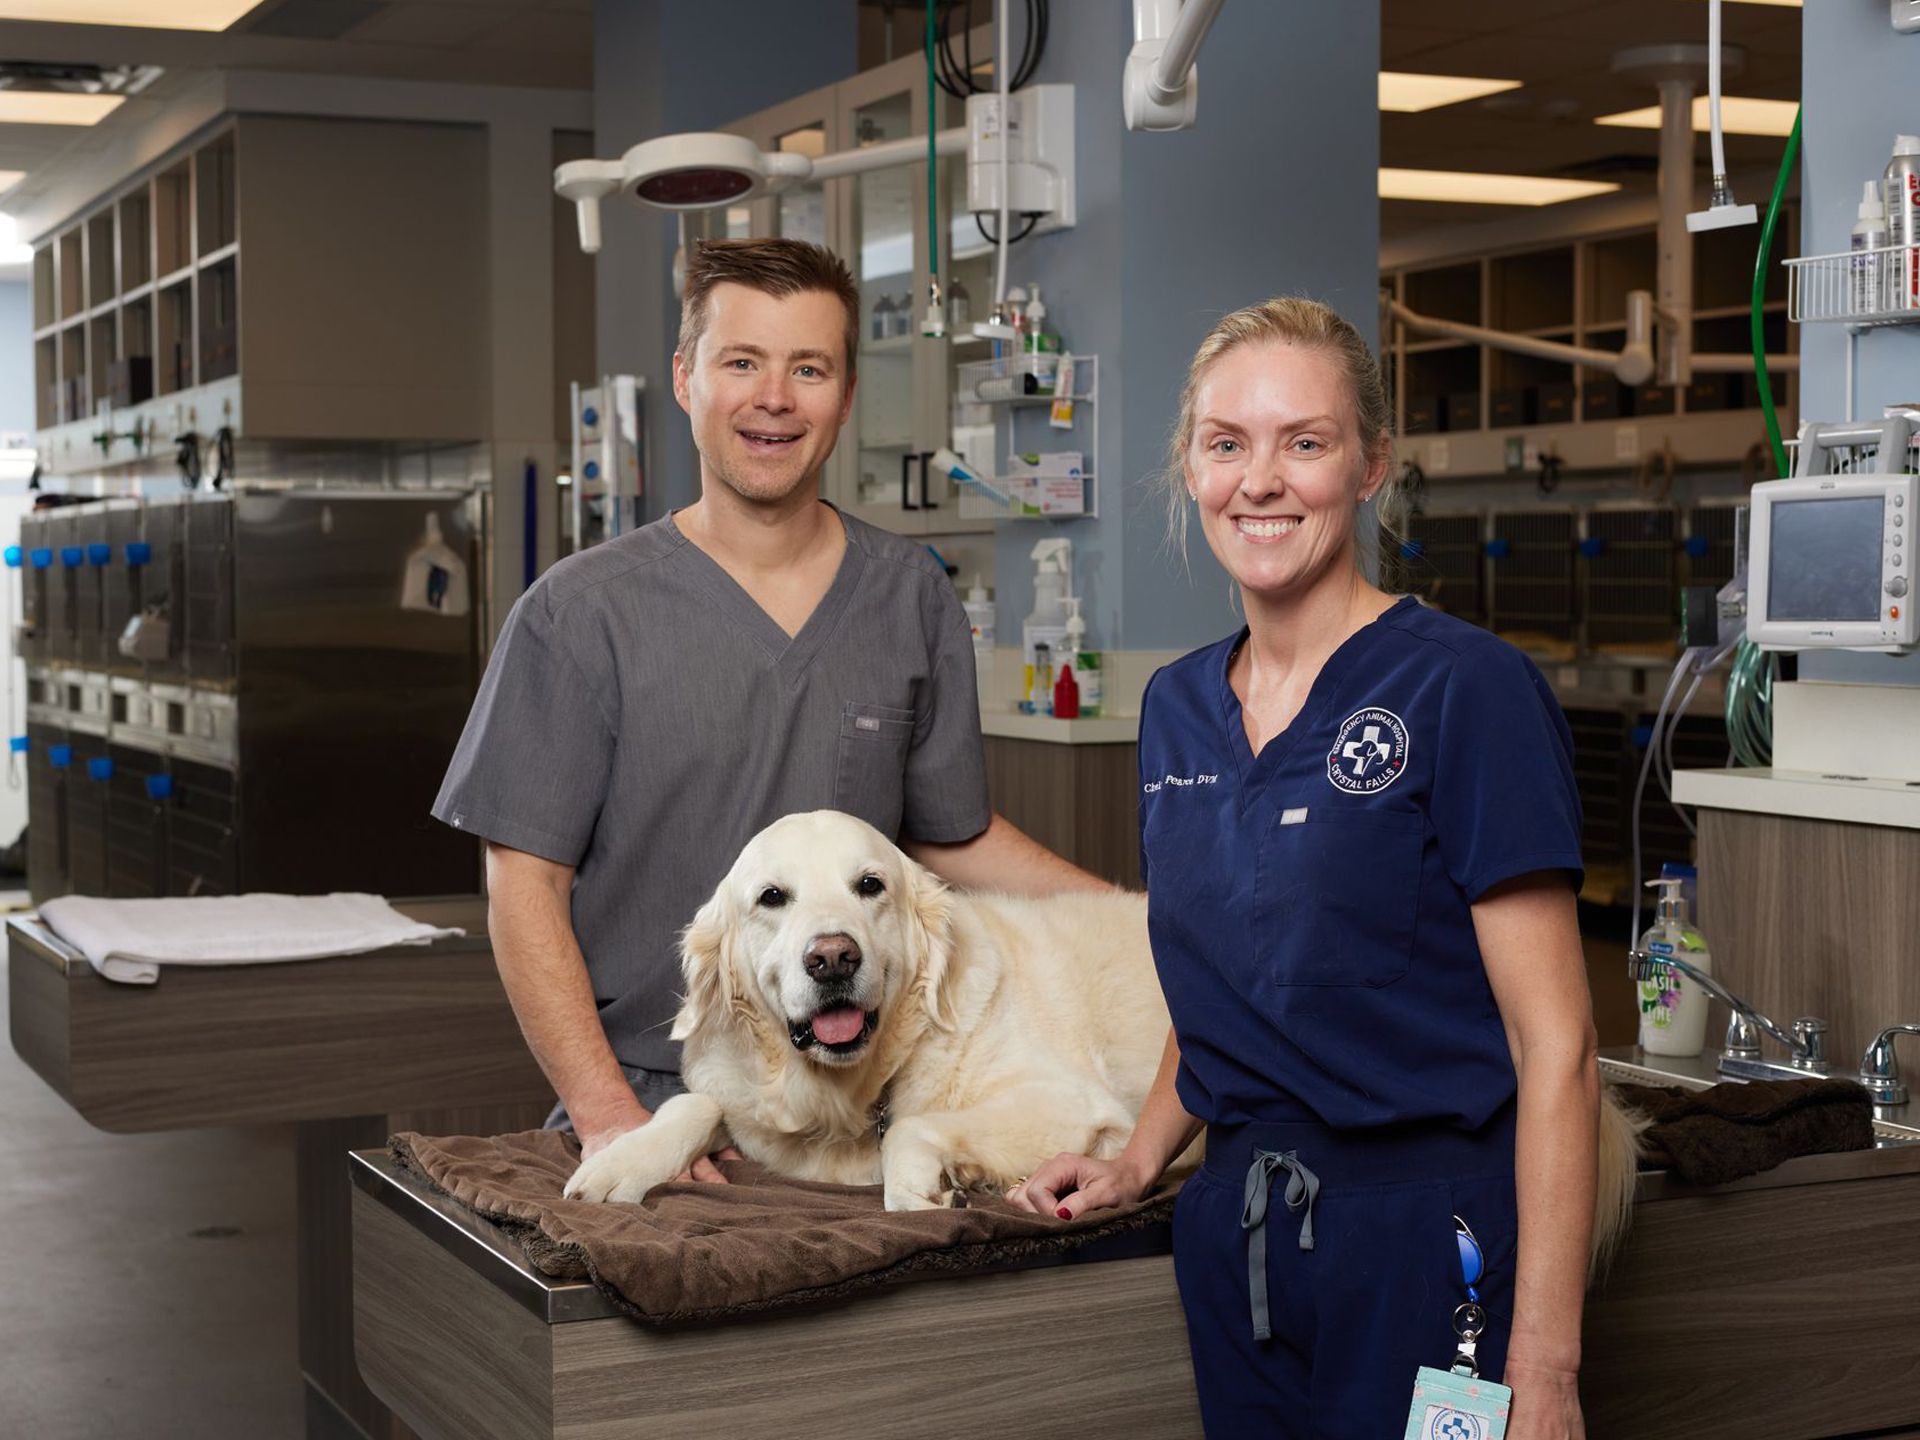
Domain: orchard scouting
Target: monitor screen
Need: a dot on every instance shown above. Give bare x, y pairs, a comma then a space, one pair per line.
1825, 560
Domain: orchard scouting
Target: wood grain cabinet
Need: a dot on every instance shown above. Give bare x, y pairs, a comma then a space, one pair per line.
1080, 801
286, 278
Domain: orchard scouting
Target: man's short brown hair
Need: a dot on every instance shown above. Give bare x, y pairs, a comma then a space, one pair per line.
776, 267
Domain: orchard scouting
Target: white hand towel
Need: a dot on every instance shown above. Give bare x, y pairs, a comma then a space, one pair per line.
129, 940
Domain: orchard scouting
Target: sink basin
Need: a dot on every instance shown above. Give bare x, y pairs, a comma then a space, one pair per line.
1885, 1132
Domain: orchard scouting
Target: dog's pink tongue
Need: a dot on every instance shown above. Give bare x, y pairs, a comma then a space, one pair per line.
837, 1027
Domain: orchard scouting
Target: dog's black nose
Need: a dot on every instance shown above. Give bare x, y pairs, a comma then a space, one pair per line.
832, 957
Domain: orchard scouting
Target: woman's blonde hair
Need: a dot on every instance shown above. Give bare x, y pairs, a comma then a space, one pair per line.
1284, 320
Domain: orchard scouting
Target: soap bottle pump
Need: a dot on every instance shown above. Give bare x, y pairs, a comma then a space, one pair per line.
1673, 1009
1086, 665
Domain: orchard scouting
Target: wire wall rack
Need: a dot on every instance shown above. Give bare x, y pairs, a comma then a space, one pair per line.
1039, 471
1866, 289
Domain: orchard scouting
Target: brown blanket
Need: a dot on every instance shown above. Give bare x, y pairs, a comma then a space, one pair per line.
1731, 1131
701, 1252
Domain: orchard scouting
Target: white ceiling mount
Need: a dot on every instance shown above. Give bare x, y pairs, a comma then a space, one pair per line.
1160, 88
584, 182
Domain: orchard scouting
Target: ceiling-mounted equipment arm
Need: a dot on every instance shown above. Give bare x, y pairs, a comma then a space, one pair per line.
1161, 88
700, 171
1632, 366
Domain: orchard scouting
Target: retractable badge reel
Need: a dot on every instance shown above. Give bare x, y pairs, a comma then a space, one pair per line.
1457, 1404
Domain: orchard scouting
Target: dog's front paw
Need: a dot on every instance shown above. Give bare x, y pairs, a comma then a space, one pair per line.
937, 1199
625, 1170
914, 1173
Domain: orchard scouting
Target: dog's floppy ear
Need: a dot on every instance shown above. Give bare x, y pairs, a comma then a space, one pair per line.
706, 964
930, 941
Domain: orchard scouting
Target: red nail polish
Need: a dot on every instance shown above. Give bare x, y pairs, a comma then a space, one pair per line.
1064, 1213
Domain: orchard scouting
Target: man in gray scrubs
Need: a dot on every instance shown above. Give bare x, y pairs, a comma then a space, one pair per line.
654, 702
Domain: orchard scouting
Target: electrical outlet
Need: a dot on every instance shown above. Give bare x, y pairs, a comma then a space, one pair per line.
1906, 16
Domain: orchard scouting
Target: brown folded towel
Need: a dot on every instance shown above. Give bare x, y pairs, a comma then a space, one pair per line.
1731, 1131
699, 1252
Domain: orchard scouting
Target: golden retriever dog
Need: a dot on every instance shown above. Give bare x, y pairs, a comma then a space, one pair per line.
849, 1019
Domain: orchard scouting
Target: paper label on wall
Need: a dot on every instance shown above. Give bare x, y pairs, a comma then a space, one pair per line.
1439, 457
1626, 442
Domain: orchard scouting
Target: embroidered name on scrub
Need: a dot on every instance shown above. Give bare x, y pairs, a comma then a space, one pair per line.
1369, 752
1178, 782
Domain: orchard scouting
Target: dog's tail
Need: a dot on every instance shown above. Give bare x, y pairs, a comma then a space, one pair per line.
1618, 1169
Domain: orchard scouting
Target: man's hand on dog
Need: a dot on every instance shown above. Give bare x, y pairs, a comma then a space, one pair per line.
616, 1176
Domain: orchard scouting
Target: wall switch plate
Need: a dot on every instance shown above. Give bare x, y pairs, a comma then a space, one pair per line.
1906, 16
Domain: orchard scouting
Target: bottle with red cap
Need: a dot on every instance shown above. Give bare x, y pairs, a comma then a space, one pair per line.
1066, 695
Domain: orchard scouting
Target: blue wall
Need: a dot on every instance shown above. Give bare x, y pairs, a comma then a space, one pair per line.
661, 67
1272, 191
1860, 85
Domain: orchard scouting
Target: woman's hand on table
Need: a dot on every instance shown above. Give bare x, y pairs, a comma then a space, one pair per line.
1546, 1403
1068, 1186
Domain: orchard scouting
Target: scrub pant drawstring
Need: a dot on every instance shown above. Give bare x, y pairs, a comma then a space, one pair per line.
1303, 1188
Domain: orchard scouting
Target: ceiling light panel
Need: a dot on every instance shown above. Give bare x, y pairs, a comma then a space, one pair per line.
1409, 94
38, 107
146, 14
1739, 115
1464, 187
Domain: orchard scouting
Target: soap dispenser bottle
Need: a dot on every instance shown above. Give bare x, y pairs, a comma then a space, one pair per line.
1673, 1009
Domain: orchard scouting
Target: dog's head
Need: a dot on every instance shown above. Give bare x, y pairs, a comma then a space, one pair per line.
820, 933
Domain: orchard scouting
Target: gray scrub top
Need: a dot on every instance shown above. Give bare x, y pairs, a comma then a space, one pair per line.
642, 718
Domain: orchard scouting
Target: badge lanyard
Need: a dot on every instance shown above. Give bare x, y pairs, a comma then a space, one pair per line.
1469, 1320
1457, 1404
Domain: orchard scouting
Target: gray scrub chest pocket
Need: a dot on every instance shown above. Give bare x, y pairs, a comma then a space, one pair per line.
870, 781
1336, 897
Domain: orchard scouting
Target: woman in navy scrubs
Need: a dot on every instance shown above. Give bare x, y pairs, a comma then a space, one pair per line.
1361, 839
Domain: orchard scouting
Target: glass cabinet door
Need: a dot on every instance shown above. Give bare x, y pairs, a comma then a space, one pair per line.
885, 248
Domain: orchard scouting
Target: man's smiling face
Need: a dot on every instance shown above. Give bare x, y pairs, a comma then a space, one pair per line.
767, 389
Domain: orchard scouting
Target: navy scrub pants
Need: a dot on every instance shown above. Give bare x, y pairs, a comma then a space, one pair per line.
1354, 1316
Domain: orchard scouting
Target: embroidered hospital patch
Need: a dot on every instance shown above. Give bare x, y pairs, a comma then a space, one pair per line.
1369, 753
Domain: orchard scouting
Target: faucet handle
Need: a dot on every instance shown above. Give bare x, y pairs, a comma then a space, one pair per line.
1743, 1039
1880, 1071
1810, 1049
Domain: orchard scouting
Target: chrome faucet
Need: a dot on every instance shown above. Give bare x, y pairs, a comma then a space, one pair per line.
1880, 1072
1806, 1044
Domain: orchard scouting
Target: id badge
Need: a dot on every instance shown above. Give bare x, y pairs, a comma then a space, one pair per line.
1448, 1406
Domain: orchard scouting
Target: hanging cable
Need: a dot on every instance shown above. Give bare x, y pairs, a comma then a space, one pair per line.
1032, 219
933, 179
222, 457
186, 454
1760, 264
1003, 73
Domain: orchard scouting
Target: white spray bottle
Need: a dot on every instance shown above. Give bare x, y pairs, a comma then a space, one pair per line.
1673, 1009
1047, 622
1869, 277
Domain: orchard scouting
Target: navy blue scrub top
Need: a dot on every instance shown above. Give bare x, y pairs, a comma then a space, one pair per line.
1310, 907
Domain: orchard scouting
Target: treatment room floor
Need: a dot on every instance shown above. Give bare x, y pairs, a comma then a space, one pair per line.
174, 1318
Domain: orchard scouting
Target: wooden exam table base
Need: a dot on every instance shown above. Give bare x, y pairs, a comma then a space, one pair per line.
1786, 1307
349, 1050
